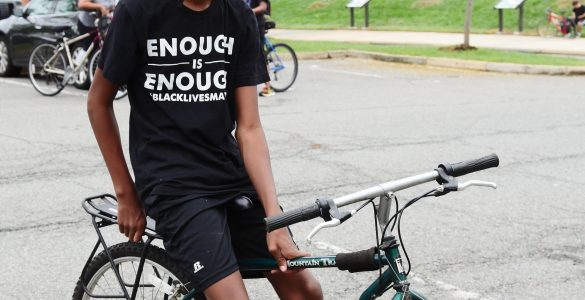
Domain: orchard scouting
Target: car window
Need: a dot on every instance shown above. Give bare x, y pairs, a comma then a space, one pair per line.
40, 7
64, 6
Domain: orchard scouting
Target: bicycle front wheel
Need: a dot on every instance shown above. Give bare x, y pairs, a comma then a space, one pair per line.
282, 67
46, 69
160, 278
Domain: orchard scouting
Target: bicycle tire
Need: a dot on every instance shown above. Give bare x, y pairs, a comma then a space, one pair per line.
120, 254
81, 79
37, 60
93, 65
547, 29
280, 60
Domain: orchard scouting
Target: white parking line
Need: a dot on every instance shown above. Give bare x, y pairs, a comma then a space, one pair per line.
28, 85
347, 72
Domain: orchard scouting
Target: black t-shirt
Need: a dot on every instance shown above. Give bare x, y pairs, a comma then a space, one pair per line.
260, 17
579, 12
181, 68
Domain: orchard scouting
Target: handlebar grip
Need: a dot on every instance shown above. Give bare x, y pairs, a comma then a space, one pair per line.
470, 166
291, 217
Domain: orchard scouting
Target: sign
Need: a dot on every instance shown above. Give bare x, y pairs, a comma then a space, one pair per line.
357, 3
509, 4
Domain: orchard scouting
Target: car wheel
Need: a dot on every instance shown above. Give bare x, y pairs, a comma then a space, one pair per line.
6, 67
82, 80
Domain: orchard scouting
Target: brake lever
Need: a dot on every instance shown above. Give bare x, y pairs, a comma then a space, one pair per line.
334, 222
465, 185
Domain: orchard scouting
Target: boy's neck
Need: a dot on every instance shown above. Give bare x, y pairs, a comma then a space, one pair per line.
197, 5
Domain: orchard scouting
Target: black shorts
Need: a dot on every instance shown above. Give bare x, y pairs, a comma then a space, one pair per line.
205, 237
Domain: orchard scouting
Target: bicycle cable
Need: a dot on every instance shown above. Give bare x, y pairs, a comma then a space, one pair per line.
397, 217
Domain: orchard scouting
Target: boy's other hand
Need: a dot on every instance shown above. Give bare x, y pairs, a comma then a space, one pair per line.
131, 217
282, 247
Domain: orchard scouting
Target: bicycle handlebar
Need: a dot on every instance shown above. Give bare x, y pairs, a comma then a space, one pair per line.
470, 166
312, 211
292, 217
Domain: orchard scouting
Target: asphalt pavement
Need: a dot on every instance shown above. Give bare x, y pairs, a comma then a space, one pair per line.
346, 125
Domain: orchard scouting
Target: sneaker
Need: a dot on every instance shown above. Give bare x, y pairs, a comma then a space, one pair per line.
266, 92
578, 36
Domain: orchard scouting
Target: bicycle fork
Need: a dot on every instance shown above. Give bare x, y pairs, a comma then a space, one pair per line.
394, 276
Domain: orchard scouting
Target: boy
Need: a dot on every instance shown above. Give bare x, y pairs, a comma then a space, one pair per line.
579, 16
191, 69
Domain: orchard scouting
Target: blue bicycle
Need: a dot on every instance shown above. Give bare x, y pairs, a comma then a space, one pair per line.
281, 61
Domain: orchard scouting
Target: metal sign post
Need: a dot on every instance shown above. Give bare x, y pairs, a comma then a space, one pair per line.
352, 5
510, 4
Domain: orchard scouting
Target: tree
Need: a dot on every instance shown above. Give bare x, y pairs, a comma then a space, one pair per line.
468, 18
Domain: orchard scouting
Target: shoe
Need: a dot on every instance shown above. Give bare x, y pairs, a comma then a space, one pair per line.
266, 92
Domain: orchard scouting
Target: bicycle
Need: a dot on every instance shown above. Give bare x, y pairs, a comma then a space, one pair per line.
281, 62
51, 67
151, 271
555, 25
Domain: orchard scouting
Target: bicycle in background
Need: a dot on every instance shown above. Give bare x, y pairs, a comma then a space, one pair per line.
556, 25
131, 270
52, 67
281, 61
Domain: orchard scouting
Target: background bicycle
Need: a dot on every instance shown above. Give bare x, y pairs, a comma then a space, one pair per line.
282, 62
556, 25
128, 270
52, 67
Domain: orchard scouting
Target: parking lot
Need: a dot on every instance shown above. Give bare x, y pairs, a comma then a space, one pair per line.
336, 132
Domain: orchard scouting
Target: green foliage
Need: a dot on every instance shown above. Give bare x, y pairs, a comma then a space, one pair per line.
427, 51
411, 15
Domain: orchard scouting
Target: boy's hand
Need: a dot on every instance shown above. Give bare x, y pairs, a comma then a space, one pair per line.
104, 11
131, 217
282, 247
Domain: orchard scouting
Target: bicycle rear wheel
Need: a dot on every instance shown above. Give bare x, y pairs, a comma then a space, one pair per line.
160, 278
282, 67
93, 65
46, 69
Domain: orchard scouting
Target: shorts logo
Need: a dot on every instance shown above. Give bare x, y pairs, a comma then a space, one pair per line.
197, 266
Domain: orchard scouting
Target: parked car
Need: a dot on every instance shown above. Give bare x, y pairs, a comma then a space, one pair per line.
38, 22
7, 7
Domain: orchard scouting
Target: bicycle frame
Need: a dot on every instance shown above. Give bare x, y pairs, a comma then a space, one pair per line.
270, 49
394, 277
65, 46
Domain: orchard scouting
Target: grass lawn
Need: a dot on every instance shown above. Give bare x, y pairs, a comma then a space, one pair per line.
428, 51
411, 15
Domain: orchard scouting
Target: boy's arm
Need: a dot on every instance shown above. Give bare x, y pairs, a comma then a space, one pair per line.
90, 6
131, 217
254, 149
261, 8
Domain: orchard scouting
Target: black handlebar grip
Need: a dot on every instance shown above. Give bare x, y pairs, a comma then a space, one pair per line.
470, 166
292, 217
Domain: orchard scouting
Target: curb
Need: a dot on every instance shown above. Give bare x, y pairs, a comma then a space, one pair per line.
450, 63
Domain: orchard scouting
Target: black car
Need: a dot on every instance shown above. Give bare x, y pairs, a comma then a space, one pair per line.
7, 7
40, 21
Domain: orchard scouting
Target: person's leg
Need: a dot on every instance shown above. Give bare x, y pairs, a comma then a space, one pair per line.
231, 287
198, 240
248, 234
296, 286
